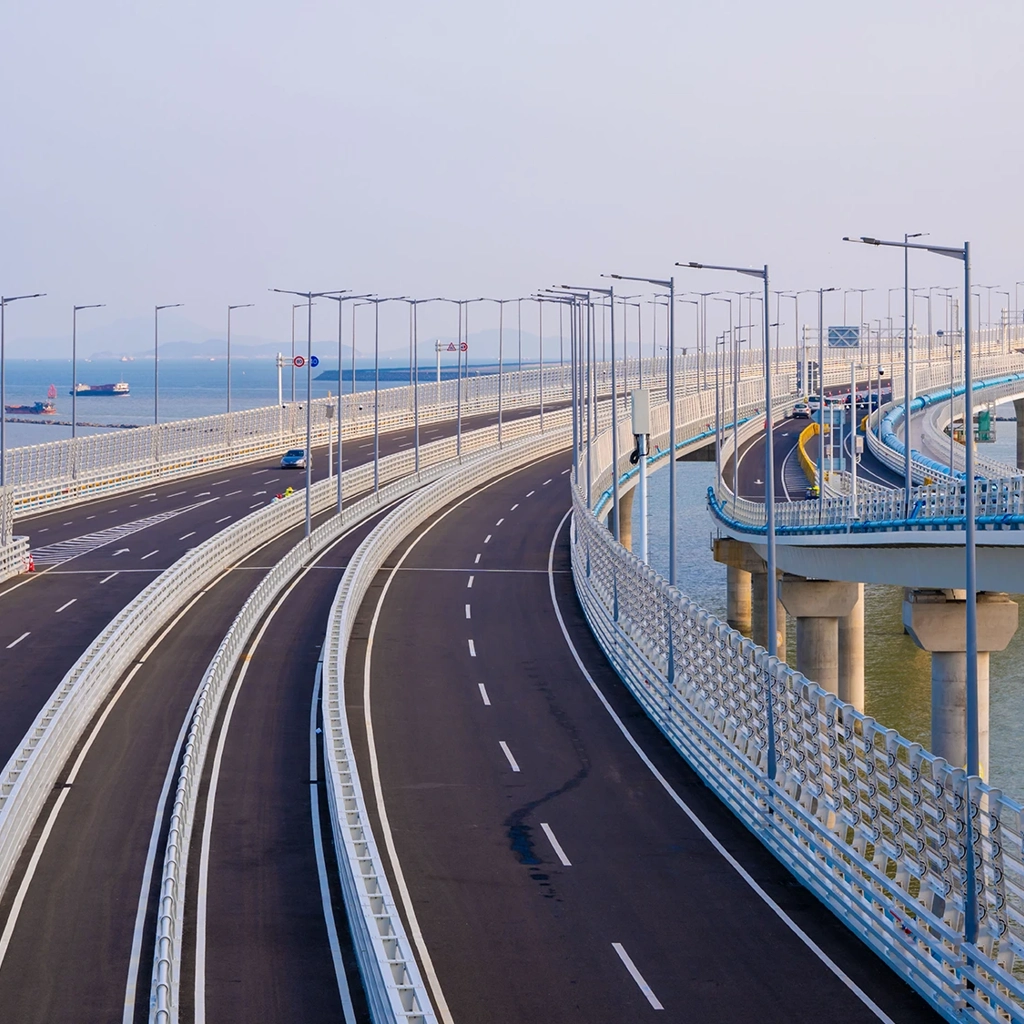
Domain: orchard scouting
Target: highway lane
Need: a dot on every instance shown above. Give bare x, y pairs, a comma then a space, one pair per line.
262, 950
552, 875
48, 618
71, 946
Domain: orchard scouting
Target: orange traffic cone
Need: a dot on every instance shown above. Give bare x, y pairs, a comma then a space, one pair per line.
31, 563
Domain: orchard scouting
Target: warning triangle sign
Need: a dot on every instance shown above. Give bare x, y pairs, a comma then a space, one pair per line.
451, 346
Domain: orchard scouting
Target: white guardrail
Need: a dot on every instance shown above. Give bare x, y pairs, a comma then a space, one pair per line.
36, 765
871, 823
394, 988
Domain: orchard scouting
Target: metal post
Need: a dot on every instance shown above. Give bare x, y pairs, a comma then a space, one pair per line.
458, 384
672, 431
341, 396
821, 402
853, 436
309, 416
74, 373
908, 480
416, 385
3, 396
501, 365
540, 330
156, 365
769, 482
376, 395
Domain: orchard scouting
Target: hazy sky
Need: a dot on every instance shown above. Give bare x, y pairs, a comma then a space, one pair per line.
202, 152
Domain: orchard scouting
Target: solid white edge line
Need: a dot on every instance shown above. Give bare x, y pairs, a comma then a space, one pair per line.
685, 808
416, 934
321, 860
556, 845
513, 763
199, 1008
641, 982
483, 695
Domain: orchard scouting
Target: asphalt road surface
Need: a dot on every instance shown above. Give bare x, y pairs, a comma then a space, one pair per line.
552, 873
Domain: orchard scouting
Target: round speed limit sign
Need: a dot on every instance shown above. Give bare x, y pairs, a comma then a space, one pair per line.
299, 361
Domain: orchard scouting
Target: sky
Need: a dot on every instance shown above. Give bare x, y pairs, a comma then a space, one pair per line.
206, 152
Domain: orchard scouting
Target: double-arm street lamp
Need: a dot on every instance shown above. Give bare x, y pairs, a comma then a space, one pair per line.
74, 362
962, 253
769, 498
243, 305
341, 298
156, 357
309, 297
4, 302
414, 342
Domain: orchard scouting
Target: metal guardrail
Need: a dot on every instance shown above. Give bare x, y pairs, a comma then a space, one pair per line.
391, 978
871, 823
13, 557
166, 979
36, 765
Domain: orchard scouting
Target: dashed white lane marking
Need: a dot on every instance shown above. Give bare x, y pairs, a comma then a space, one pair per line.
68, 523
136, 505
203, 494
256, 494
113, 511
18, 641
367, 445
45, 529
272, 480
500, 521
688, 811
476, 561
224, 520
257, 505
513, 764
66, 604
564, 471
530, 494
487, 539
187, 535
483, 695
176, 494
637, 976
467, 611
257, 471
472, 649
546, 482
514, 507
219, 482
110, 577
556, 845
469, 585
150, 555
231, 493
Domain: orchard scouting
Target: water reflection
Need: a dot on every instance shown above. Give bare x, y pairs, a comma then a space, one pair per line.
897, 674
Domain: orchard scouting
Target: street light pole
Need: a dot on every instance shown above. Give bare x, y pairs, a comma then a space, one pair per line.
4, 301
769, 483
670, 284
74, 363
963, 253
821, 399
244, 305
156, 357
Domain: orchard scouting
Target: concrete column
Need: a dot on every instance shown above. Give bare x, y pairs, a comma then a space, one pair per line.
1018, 408
851, 653
759, 613
738, 598
625, 518
818, 606
937, 622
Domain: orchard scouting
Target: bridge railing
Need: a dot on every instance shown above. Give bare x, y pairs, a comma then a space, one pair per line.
874, 825
394, 986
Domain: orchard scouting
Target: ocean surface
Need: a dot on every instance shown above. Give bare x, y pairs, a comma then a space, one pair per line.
897, 674
188, 388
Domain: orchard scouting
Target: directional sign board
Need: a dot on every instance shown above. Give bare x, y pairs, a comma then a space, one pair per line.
843, 337
299, 361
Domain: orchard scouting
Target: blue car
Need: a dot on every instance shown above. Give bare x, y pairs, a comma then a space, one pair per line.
294, 458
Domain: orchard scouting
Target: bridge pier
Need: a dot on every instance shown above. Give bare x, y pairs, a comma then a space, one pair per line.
851, 653
818, 605
741, 561
937, 622
759, 612
1018, 408
625, 518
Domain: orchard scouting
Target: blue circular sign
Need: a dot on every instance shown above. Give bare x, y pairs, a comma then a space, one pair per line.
314, 361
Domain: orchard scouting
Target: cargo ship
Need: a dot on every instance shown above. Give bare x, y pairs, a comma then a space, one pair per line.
120, 388
46, 408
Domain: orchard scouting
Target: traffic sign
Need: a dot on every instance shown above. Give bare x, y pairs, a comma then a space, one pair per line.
451, 346
299, 361
314, 361
464, 346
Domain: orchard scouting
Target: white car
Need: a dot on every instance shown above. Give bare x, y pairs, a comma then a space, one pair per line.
801, 411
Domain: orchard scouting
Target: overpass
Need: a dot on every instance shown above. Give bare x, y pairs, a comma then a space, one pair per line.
472, 786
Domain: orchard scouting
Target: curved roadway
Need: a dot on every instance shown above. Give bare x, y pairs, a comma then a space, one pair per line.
562, 862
